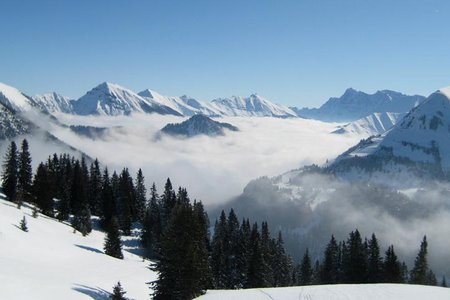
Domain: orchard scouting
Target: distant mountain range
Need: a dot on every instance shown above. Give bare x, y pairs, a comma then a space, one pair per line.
354, 105
112, 99
373, 124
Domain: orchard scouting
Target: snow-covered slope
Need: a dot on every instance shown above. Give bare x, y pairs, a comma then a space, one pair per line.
335, 292
53, 102
196, 125
14, 99
52, 262
373, 124
112, 99
419, 145
254, 105
184, 105
353, 105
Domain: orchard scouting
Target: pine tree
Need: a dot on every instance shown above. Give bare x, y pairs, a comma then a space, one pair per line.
391, 267
126, 201
182, 273
41, 193
444, 282
95, 189
256, 277
108, 204
374, 261
141, 196
25, 173
306, 271
10, 173
23, 224
82, 220
330, 270
168, 201
420, 270
113, 244
219, 255
354, 260
152, 228
281, 265
118, 292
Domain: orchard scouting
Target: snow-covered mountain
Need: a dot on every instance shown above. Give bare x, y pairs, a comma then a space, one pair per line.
53, 102
252, 106
197, 125
15, 100
373, 124
184, 105
419, 145
354, 105
112, 99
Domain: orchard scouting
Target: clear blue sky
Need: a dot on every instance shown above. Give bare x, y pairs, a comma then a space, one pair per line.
293, 52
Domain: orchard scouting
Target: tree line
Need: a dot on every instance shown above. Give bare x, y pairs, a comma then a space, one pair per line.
175, 232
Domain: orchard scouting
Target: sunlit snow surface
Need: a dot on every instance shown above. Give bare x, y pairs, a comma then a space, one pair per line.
336, 292
52, 262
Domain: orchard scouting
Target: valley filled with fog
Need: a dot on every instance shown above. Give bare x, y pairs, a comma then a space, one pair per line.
213, 169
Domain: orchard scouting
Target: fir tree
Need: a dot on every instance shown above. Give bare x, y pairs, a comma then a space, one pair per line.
354, 261
330, 270
391, 267
444, 282
152, 230
25, 173
108, 204
306, 271
113, 244
82, 220
23, 224
95, 189
420, 270
141, 196
219, 255
41, 192
374, 261
256, 277
281, 265
126, 201
9, 174
182, 272
118, 292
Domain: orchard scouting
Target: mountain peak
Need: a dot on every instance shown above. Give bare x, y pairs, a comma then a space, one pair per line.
198, 124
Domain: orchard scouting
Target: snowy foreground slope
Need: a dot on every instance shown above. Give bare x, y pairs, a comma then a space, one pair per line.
335, 292
51, 262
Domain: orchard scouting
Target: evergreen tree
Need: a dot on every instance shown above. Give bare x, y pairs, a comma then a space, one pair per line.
354, 260
219, 255
113, 244
168, 201
182, 272
23, 224
126, 201
141, 196
41, 192
374, 261
118, 292
107, 201
282, 265
256, 278
330, 270
82, 220
444, 282
391, 267
9, 174
25, 173
95, 189
306, 271
420, 270
431, 278
152, 230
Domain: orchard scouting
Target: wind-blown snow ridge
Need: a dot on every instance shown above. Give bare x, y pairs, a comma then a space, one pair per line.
374, 124
54, 102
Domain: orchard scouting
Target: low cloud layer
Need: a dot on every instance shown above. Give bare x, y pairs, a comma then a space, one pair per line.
212, 169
